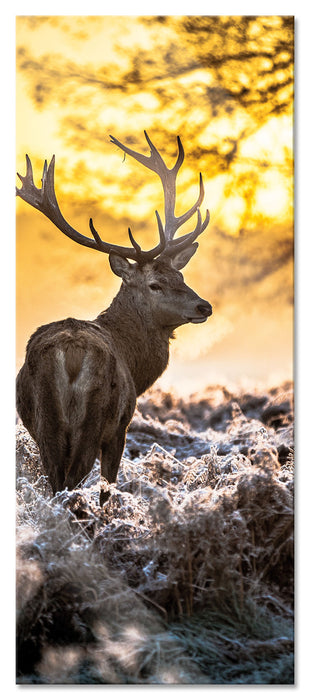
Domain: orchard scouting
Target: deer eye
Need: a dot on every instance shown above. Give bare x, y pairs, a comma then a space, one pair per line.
155, 287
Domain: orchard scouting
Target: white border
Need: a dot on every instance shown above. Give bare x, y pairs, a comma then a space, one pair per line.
301, 11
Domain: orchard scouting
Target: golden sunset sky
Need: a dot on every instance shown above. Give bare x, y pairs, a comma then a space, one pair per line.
225, 85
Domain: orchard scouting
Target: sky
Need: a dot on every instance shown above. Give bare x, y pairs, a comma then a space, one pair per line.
224, 85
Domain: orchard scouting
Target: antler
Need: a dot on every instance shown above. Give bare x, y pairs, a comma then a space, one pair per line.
168, 179
44, 199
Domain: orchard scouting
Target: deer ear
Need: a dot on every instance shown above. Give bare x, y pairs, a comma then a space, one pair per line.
120, 266
181, 259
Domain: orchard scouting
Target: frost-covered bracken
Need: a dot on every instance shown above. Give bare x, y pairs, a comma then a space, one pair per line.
186, 574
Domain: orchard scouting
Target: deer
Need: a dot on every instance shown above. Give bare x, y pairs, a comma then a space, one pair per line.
77, 389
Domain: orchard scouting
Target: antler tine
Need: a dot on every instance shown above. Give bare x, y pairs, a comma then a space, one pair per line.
162, 236
159, 165
44, 174
105, 247
180, 158
29, 174
182, 242
148, 255
134, 253
167, 176
180, 220
206, 221
178, 244
28, 184
44, 199
133, 242
145, 160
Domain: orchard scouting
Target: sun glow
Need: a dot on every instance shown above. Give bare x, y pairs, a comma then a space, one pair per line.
271, 197
80, 79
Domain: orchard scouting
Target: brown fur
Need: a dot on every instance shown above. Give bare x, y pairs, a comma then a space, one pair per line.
77, 390
74, 356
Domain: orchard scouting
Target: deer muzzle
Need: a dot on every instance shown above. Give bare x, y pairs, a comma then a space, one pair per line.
202, 311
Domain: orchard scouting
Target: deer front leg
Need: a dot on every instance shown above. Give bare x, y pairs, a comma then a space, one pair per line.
111, 453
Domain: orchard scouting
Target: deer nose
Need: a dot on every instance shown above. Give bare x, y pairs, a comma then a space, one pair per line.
205, 309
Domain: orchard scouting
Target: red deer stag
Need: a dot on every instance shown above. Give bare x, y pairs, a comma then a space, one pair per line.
77, 390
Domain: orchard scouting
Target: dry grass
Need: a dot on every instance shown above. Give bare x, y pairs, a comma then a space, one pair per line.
186, 574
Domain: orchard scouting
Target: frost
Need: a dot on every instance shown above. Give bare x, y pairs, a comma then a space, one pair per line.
191, 558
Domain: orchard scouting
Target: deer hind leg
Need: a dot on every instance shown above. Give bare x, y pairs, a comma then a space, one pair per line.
54, 451
68, 452
84, 449
81, 463
111, 453
78, 406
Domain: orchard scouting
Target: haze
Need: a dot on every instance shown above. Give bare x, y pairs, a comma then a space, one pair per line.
224, 84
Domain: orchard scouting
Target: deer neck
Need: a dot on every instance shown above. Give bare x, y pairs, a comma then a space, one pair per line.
142, 344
